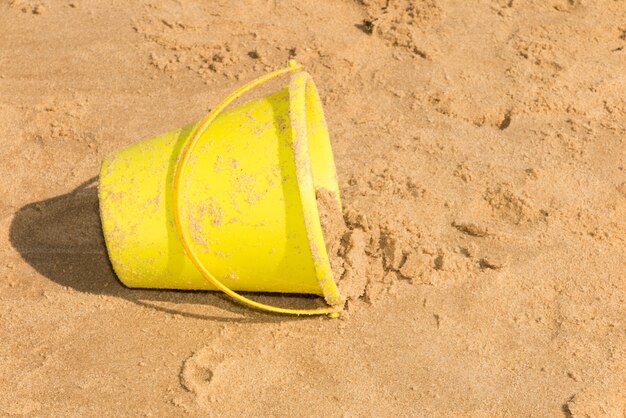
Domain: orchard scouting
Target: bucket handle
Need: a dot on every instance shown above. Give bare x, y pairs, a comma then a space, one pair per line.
183, 235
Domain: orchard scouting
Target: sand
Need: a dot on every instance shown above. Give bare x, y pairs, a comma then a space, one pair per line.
481, 155
345, 248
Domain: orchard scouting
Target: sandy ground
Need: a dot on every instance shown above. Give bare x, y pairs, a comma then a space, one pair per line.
480, 145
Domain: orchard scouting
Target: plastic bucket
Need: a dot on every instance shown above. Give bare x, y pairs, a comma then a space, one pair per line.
233, 195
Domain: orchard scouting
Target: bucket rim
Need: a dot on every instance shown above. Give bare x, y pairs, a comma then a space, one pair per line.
302, 90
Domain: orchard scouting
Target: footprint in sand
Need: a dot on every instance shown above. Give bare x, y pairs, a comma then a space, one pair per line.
197, 373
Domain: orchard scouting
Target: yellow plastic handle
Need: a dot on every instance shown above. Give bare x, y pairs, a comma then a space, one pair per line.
183, 235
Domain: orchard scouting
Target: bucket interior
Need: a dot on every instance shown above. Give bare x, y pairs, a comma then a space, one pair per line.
319, 146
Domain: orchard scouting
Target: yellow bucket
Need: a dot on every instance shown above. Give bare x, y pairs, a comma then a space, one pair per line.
228, 203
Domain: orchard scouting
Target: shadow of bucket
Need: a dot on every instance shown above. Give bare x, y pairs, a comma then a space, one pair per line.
228, 203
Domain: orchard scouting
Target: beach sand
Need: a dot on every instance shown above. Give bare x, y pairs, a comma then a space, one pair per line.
481, 155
